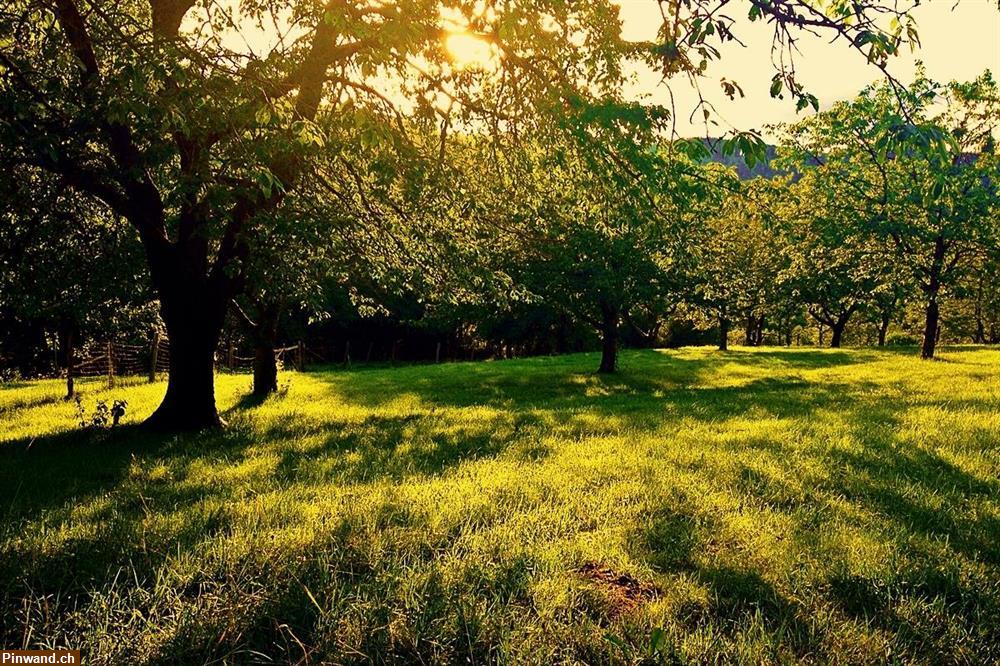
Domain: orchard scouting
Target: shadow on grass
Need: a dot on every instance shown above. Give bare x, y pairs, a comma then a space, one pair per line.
43, 480
572, 389
391, 447
913, 499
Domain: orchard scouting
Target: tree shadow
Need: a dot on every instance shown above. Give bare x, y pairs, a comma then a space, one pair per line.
393, 448
914, 496
630, 398
675, 543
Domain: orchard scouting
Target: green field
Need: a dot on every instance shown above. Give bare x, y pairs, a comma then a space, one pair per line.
759, 505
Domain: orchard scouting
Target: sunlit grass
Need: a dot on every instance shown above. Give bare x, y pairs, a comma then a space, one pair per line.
757, 505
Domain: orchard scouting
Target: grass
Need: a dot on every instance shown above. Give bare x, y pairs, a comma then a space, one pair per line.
758, 506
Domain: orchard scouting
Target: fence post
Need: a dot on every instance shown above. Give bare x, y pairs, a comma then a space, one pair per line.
111, 366
347, 354
300, 356
70, 354
368, 356
154, 355
230, 353
395, 344
437, 352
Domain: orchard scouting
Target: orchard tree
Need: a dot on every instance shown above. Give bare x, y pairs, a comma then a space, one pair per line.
56, 275
836, 269
740, 258
194, 120
597, 228
920, 179
166, 113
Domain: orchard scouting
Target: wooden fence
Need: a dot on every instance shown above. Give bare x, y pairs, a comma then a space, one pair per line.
115, 359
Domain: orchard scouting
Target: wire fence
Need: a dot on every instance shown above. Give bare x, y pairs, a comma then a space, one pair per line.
115, 360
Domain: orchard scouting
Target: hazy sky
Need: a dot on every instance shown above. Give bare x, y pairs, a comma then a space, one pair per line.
956, 44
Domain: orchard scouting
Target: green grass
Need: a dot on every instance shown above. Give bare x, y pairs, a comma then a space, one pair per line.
758, 505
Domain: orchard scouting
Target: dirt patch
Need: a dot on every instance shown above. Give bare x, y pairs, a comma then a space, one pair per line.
623, 592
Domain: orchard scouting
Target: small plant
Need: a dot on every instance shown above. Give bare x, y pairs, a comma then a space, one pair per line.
103, 417
10, 375
118, 411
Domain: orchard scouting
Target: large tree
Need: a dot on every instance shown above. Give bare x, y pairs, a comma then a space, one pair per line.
56, 279
179, 121
916, 169
191, 121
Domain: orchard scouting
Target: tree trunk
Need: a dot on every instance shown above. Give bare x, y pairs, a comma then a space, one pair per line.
748, 336
723, 332
930, 329
979, 337
609, 335
265, 366
837, 331
838, 325
70, 360
265, 369
193, 316
932, 288
189, 403
759, 331
883, 329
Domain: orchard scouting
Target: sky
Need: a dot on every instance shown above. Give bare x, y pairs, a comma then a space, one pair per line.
956, 43
959, 39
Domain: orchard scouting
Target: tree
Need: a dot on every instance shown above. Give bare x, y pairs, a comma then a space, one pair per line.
55, 275
924, 179
837, 270
595, 227
740, 256
158, 111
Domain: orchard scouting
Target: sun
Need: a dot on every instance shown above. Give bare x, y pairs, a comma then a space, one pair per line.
467, 51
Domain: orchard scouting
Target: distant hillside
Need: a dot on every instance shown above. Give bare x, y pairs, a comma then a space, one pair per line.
746, 172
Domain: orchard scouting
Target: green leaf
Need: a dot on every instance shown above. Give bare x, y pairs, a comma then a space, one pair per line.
776, 85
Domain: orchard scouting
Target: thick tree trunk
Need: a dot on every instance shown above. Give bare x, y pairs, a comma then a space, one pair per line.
930, 329
723, 332
193, 316
748, 335
609, 335
189, 403
837, 333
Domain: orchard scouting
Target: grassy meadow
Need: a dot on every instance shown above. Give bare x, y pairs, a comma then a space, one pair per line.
758, 506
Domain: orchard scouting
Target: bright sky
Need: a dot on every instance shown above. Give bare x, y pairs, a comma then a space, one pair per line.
956, 44
960, 38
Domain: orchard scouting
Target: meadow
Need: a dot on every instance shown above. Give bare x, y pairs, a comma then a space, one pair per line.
757, 506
